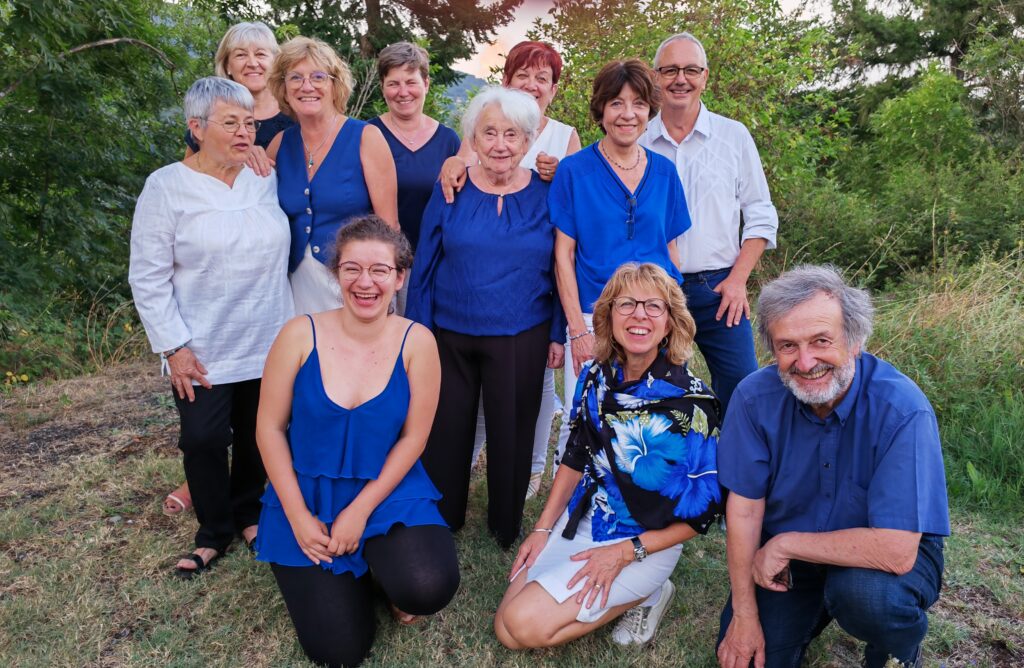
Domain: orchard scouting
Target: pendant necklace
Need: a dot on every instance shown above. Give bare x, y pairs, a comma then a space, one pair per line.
309, 162
612, 160
402, 135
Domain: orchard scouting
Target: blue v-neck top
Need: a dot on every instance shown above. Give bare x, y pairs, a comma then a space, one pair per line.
317, 208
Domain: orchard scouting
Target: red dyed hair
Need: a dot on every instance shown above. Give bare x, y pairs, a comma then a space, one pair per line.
532, 54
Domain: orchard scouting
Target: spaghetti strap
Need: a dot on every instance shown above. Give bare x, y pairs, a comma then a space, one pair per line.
314, 329
402, 349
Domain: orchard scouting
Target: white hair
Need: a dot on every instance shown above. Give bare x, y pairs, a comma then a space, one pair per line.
205, 93
682, 37
518, 107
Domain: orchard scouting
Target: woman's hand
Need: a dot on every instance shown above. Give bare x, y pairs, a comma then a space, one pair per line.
546, 166
311, 535
347, 531
603, 565
582, 350
556, 355
529, 550
184, 369
259, 161
453, 177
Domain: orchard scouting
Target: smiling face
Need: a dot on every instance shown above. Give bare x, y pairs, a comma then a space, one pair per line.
306, 98
625, 117
364, 297
499, 144
536, 81
249, 65
638, 333
220, 145
681, 92
404, 91
814, 360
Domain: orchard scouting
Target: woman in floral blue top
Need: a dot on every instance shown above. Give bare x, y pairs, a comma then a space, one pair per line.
639, 477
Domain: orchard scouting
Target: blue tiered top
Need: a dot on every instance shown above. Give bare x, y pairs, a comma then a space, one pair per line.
335, 452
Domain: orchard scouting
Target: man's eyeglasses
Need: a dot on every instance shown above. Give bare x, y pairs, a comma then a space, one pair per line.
672, 71
232, 126
654, 308
317, 79
351, 271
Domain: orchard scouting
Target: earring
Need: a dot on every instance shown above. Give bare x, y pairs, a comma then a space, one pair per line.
664, 342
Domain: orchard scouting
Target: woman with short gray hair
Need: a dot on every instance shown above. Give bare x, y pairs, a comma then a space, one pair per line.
483, 279
209, 254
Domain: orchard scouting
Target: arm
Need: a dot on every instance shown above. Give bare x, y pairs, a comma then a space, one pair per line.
453, 171
569, 295
734, 288
379, 172
274, 146
744, 639
562, 488
890, 550
673, 253
424, 389
286, 356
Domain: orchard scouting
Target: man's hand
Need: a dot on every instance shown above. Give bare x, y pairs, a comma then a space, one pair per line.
743, 643
771, 566
734, 303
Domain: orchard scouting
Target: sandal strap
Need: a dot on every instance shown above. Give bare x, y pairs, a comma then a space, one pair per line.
200, 564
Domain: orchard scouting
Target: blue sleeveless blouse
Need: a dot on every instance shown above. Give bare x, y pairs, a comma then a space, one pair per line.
335, 452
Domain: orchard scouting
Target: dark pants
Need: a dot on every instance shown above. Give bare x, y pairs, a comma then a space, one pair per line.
729, 351
333, 614
226, 498
887, 611
510, 369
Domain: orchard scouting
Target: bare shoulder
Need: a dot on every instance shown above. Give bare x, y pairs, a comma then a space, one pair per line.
296, 334
372, 136
419, 341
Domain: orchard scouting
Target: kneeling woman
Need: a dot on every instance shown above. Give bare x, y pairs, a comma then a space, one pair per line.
638, 477
348, 399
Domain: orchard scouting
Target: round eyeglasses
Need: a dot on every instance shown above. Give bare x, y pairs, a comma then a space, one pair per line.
317, 79
654, 308
351, 271
232, 126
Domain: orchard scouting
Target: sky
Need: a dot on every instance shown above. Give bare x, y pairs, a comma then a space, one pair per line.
490, 55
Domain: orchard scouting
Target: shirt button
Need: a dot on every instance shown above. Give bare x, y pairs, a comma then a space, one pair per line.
306, 191
308, 229
316, 249
308, 210
827, 465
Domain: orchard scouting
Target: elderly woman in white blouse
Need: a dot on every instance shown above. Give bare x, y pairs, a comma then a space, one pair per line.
209, 257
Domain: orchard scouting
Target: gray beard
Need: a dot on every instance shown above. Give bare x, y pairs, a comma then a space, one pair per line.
842, 376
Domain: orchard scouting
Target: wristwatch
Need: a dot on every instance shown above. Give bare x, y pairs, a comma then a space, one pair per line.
639, 551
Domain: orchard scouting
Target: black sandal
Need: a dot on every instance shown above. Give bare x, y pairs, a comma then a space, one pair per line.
201, 566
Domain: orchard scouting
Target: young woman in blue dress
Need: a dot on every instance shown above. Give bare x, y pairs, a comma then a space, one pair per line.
347, 402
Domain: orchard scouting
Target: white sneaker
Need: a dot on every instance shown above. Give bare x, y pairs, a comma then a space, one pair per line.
637, 625
534, 486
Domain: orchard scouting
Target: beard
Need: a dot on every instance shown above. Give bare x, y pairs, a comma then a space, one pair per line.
842, 376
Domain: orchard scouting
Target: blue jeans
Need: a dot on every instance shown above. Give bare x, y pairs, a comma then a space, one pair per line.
729, 351
887, 611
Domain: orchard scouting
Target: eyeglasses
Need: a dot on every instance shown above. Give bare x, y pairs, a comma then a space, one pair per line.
672, 71
232, 126
654, 308
351, 271
316, 79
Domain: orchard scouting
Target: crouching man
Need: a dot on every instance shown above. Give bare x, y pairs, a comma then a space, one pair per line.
837, 503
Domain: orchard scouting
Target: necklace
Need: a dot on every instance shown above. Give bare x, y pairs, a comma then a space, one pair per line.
402, 135
309, 162
639, 154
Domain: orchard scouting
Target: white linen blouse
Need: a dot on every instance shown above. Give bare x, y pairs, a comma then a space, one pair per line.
209, 267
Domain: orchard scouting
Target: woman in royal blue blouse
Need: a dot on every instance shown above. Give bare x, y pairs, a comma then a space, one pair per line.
483, 279
612, 202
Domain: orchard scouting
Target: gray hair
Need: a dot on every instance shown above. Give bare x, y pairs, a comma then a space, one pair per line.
242, 35
403, 54
520, 108
800, 285
681, 37
205, 93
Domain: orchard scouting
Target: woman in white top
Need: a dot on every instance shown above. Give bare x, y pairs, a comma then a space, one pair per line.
534, 68
208, 270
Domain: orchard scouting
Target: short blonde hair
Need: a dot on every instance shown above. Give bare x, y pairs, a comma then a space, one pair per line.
678, 343
242, 35
320, 53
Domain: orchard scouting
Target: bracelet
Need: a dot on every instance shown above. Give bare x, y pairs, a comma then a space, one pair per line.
542, 531
170, 353
581, 335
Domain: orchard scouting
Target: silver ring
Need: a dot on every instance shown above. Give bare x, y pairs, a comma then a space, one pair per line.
597, 586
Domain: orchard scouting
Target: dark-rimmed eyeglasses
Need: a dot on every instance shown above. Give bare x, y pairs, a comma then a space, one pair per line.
672, 71
654, 308
232, 126
316, 79
351, 271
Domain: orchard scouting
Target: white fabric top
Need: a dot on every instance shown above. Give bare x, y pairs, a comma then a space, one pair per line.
209, 267
722, 176
553, 140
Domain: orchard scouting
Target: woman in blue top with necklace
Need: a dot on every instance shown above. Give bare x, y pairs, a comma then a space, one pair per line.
612, 202
484, 280
329, 167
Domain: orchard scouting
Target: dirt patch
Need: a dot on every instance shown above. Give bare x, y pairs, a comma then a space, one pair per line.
993, 629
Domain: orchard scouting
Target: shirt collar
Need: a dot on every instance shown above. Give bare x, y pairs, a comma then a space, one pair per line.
656, 126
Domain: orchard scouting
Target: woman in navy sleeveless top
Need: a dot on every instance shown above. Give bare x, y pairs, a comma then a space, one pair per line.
347, 403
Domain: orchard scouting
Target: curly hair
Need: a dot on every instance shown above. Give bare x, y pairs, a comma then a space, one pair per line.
678, 342
372, 228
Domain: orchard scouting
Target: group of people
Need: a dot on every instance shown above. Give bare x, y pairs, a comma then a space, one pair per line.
351, 309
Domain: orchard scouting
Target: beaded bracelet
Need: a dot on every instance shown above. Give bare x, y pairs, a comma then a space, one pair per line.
581, 335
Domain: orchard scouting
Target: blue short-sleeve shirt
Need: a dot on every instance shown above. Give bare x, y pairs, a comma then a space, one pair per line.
875, 461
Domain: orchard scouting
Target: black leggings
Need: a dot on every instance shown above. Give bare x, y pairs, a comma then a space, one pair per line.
333, 614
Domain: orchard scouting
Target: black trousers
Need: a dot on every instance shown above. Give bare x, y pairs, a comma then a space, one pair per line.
510, 369
417, 568
226, 497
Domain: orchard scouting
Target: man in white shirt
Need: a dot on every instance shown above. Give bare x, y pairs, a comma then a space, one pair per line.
724, 184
